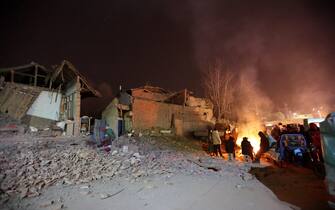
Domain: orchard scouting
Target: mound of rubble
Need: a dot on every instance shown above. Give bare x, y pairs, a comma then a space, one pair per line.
27, 168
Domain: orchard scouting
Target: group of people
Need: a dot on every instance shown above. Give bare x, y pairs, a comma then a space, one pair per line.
311, 133
268, 140
228, 141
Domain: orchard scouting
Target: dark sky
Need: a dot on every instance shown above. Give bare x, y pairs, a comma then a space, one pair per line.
288, 46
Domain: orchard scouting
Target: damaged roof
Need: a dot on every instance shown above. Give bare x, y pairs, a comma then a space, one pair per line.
152, 89
25, 67
55, 77
66, 72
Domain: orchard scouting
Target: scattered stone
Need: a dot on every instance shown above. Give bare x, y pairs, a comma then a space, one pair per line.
138, 173
24, 193
137, 155
47, 204
104, 195
85, 192
37, 165
85, 187
58, 206
246, 177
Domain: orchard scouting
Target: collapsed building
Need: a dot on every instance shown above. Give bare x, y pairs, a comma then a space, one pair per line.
149, 107
40, 97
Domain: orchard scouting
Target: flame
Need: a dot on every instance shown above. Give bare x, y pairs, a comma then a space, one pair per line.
254, 141
250, 130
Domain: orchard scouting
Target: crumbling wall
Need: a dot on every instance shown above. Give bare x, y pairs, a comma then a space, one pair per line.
148, 114
70, 104
111, 115
73, 93
16, 99
178, 98
37, 122
199, 102
47, 105
144, 94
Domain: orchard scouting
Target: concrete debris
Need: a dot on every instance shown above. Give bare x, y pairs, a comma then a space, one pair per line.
26, 169
58, 207
85, 192
104, 196
33, 129
47, 204
114, 152
246, 176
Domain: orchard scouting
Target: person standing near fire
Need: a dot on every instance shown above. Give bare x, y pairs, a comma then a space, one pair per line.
216, 142
247, 149
230, 147
264, 146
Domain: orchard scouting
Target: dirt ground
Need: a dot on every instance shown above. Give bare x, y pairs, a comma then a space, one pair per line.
296, 185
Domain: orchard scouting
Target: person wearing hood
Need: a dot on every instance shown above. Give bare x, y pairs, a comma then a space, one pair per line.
247, 149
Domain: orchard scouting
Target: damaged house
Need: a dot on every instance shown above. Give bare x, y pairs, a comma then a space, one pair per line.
40, 97
150, 107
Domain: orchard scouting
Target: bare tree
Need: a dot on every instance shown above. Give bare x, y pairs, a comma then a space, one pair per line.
219, 88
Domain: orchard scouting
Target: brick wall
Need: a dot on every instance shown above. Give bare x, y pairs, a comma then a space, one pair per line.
148, 114
141, 93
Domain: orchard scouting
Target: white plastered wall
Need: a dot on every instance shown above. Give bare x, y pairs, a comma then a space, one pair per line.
47, 105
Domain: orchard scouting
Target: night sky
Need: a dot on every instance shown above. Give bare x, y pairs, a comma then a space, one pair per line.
287, 47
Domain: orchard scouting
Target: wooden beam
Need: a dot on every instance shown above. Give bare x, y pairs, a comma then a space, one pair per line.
35, 77
29, 75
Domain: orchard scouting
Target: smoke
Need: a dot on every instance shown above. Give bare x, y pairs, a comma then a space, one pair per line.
252, 104
281, 52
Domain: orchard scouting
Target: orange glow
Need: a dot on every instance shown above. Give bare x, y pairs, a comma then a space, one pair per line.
251, 131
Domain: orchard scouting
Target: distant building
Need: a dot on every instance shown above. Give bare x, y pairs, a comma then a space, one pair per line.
150, 107
40, 97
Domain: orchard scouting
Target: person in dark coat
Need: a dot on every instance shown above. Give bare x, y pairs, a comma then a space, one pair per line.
315, 138
275, 133
230, 147
247, 149
264, 146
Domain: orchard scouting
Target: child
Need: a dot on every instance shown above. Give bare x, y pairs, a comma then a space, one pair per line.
247, 149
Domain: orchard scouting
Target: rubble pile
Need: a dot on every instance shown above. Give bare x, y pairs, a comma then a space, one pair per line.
26, 169
10, 126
